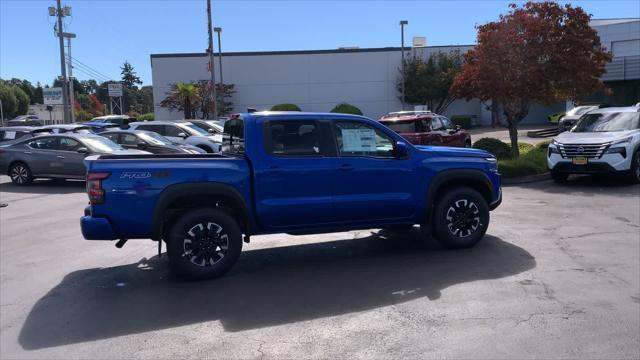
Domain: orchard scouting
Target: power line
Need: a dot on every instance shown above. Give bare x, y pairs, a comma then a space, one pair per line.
91, 69
88, 70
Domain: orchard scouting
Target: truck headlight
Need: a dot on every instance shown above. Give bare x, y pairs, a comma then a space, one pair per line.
492, 160
617, 150
622, 141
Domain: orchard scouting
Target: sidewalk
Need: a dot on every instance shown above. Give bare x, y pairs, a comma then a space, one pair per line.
502, 133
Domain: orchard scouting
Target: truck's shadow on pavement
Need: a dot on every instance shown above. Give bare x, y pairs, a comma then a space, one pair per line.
45, 187
267, 287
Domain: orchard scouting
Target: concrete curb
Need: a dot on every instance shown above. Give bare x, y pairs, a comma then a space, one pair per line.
526, 179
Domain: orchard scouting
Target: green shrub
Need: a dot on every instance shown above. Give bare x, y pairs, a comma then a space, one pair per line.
345, 108
285, 107
543, 145
525, 148
496, 147
463, 120
22, 100
530, 163
146, 117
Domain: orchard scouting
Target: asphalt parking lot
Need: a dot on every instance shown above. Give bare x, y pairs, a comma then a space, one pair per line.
557, 276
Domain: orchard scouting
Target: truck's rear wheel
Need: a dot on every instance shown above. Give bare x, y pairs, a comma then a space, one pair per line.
204, 243
461, 218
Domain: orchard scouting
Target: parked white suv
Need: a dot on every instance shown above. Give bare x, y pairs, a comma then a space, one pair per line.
181, 132
603, 141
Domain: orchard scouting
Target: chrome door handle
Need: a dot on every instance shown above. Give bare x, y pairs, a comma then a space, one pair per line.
28, 152
60, 157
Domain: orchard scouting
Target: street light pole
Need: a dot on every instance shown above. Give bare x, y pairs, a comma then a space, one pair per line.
402, 24
211, 66
219, 30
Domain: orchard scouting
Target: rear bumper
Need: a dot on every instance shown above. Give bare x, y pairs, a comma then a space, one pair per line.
95, 228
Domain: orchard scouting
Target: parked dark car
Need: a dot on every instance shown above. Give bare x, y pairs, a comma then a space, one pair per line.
54, 156
122, 121
14, 133
68, 128
149, 141
25, 120
426, 128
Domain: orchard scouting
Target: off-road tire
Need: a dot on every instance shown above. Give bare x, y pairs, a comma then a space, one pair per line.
460, 218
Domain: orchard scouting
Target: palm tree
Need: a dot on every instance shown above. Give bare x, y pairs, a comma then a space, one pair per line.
185, 97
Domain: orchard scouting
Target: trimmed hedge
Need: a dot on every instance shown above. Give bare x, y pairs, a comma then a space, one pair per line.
285, 107
525, 147
345, 108
463, 120
532, 162
146, 117
496, 147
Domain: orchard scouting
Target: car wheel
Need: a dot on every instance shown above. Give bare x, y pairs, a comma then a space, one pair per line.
20, 174
559, 177
204, 243
461, 218
633, 174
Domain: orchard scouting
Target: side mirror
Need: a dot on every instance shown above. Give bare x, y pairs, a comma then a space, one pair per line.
211, 131
142, 145
401, 151
183, 135
82, 150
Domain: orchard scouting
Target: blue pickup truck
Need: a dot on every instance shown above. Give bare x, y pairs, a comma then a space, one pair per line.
289, 172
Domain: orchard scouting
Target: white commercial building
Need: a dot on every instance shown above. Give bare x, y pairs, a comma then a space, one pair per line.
317, 80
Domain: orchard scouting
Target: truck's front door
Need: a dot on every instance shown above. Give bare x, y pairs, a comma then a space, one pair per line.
370, 183
293, 183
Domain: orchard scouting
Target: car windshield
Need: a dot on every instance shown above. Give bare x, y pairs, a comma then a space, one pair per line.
401, 126
609, 121
101, 144
155, 138
579, 110
193, 130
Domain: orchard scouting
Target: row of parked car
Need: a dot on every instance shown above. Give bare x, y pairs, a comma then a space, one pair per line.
58, 151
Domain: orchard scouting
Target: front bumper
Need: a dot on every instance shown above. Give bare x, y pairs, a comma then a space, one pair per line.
605, 164
96, 228
496, 203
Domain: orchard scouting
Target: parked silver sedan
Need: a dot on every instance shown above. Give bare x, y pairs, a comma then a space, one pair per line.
54, 156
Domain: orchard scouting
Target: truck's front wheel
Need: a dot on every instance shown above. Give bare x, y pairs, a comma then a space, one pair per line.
204, 243
461, 218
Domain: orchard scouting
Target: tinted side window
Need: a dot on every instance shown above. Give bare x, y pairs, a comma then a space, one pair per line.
293, 138
155, 128
68, 144
129, 139
233, 136
360, 139
43, 143
112, 137
436, 124
172, 130
447, 123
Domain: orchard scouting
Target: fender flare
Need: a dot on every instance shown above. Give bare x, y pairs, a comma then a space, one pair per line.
208, 189
469, 175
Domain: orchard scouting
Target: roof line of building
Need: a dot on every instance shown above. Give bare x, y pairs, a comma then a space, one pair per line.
297, 52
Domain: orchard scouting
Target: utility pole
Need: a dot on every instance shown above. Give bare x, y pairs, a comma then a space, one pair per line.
219, 30
63, 71
69, 36
211, 67
404, 79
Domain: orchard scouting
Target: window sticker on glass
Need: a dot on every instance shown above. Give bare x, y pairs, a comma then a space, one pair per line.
9, 135
358, 140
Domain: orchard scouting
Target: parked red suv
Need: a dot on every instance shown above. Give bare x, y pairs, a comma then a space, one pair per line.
426, 128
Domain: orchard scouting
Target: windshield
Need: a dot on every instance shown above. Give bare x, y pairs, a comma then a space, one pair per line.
101, 144
580, 110
193, 130
155, 138
611, 121
401, 126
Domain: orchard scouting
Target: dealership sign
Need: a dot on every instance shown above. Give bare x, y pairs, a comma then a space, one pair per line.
52, 96
115, 90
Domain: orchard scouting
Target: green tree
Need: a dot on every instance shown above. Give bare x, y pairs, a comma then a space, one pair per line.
184, 97
145, 100
428, 82
9, 101
91, 86
129, 78
344, 108
285, 107
22, 100
38, 97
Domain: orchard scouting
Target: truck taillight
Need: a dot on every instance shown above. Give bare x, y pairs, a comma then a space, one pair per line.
94, 187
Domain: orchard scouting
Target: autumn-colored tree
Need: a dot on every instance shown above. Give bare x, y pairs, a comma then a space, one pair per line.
541, 52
